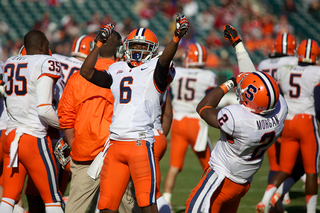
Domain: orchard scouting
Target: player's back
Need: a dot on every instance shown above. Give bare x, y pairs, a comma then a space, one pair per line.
69, 65
137, 101
297, 85
270, 65
21, 74
188, 88
245, 137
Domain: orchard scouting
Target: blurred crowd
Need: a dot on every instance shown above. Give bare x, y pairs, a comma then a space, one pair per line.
258, 26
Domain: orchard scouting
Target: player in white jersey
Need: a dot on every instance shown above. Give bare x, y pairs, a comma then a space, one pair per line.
282, 53
137, 86
300, 85
29, 83
192, 82
247, 129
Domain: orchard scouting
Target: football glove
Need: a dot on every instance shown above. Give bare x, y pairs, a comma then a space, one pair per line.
182, 26
104, 32
231, 34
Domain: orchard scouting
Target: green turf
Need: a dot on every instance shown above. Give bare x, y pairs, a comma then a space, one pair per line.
191, 174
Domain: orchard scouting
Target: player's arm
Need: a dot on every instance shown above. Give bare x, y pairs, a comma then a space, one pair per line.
102, 79
167, 115
162, 68
207, 106
244, 62
316, 95
44, 101
67, 111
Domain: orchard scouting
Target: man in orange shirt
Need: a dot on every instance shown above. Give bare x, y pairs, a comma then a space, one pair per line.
85, 113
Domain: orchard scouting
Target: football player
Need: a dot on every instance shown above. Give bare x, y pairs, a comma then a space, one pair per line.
245, 134
137, 86
29, 82
190, 85
300, 85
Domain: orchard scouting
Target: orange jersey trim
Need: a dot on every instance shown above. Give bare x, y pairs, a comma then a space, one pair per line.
50, 75
7, 203
43, 105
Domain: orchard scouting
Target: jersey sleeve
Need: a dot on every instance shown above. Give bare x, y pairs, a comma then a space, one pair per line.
50, 67
226, 121
163, 76
66, 107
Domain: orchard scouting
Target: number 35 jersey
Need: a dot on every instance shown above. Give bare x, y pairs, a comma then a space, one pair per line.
297, 84
245, 136
137, 100
20, 76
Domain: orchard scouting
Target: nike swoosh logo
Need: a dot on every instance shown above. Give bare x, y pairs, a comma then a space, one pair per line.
144, 68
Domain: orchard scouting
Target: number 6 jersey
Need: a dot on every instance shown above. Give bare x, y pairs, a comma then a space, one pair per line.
21, 74
245, 136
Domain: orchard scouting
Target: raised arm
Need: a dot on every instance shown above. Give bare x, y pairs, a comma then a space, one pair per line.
244, 62
87, 69
162, 68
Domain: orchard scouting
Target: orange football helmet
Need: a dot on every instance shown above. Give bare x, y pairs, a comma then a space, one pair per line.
285, 44
196, 55
259, 92
148, 50
23, 51
308, 51
82, 46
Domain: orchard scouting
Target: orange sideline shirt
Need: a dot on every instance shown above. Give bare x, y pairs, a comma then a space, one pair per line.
88, 109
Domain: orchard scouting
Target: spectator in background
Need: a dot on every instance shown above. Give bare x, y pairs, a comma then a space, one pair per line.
168, 8
205, 20
283, 26
267, 24
94, 24
125, 26
289, 6
314, 9
213, 41
190, 8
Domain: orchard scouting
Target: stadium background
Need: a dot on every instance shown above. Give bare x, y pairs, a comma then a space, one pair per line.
258, 23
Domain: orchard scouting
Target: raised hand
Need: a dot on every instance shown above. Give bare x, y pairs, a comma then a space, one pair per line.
104, 32
182, 26
231, 34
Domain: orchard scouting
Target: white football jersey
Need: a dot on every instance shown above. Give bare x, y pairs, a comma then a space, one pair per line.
297, 84
137, 101
69, 65
20, 76
188, 89
3, 110
271, 65
240, 156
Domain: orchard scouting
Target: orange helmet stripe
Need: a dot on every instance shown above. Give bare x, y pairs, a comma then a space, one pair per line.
270, 88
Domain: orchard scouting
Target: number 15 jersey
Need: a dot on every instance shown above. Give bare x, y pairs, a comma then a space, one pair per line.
20, 76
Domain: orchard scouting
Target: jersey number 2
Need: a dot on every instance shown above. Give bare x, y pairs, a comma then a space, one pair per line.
15, 82
265, 140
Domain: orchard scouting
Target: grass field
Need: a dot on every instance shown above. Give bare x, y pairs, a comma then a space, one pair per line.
191, 174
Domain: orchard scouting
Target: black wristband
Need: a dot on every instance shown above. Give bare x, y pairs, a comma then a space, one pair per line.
236, 42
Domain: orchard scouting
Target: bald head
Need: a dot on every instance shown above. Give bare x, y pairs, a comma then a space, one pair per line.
36, 42
108, 50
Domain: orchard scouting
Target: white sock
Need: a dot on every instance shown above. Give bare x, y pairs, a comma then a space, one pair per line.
163, 206
54, 207
167, 197
271, 189
303, 178
18, 209
7, 205
311, 201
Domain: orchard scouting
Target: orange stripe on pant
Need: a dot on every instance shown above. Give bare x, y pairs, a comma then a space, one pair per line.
183, 134
226, 197
300, 133
35, 158
159, 147
125, 158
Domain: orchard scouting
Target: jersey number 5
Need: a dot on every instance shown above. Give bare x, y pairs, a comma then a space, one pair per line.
15, 82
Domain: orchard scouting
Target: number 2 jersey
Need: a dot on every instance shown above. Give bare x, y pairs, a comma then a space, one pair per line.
245, 136
20, 76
